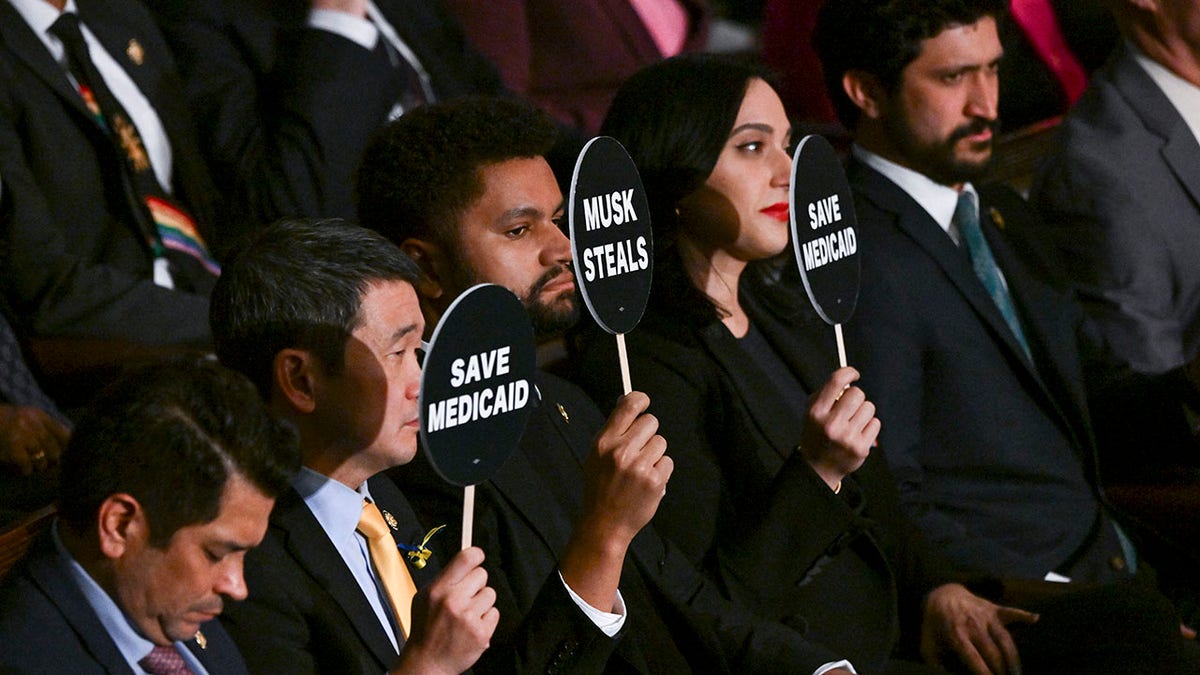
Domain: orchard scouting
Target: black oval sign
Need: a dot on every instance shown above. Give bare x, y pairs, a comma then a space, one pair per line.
611, 239
477, 384
824, 229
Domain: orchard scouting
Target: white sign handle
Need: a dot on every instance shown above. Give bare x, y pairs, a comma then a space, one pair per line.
841, 344
468, 522
624, 358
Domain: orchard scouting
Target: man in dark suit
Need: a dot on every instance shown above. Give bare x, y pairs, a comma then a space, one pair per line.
169, 480
973, 361
1121, 195
324, 317
288, 92
86, 251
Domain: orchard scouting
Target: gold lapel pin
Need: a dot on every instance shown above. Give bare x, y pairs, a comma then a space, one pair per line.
563, 411
135, 52
997, 219
201, 640
391, 520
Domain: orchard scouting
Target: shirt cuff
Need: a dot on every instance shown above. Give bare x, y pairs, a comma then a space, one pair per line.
358, 30
833, 666
610, 624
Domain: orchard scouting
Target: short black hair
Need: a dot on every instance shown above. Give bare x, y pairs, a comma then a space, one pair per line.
298, 283
171, 435
422, 171
674, 118
881, 37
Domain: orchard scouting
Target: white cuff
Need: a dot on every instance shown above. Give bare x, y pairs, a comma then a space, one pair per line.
835, 665
607, 622
358, 30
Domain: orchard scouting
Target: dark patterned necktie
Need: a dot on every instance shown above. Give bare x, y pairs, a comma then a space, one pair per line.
166, 226
164, 661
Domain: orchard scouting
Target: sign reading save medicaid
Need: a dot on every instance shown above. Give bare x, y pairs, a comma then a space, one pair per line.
477, 384
824, 230
609, 219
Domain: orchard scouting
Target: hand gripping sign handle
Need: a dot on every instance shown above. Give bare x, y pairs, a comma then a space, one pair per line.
468, 521
624, 358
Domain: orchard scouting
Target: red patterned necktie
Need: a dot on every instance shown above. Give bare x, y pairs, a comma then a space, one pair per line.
164, 661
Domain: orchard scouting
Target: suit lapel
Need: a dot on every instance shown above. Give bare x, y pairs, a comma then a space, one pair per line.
1180, 150
310, 546
917, 224
26, 47
49, 572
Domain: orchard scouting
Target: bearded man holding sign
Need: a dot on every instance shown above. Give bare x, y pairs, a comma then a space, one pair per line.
477, 203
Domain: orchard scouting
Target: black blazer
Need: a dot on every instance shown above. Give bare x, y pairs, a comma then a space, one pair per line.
74, 261
994, 455
286, 111
844, 569
305, 612
47, 625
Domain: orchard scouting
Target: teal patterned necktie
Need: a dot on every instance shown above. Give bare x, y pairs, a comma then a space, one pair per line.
966, 217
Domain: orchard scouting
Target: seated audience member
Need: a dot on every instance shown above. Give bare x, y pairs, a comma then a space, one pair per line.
974, 361
570, 57
167, 482
323, 318
106, 203
33, 432
1121, 197
478, 203
729, 356
288, 92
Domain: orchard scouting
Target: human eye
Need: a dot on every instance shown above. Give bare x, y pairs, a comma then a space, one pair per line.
753, 147
516, 232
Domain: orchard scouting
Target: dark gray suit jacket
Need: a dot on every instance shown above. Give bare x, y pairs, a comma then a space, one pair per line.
1121, 201
994, 455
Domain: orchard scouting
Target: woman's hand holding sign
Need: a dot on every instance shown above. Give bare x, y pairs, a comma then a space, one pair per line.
840, 428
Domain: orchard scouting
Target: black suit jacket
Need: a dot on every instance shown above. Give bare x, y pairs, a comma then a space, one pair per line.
747, 508
305, 612
73, 258
47, 625
994, 455
286, 111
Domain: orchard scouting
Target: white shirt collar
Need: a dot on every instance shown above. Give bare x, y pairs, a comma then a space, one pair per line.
1183, 95
938, 200
41, 15
336, 507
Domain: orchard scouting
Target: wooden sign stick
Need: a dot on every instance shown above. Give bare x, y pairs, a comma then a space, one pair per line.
468, 521
841, 344
626, 383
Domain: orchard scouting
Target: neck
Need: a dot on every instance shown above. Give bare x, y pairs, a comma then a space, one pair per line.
1163, 44
872, 136
716, 274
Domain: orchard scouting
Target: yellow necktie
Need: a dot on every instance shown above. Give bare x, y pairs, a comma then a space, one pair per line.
397, 582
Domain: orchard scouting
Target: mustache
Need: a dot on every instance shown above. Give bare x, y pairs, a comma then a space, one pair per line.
546, 279
977, 125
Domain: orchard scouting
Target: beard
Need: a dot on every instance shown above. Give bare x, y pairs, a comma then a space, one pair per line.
551, 317
940, 161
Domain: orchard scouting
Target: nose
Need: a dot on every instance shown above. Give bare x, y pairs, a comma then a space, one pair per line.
556, 247
983, 99
781, 168
231, 583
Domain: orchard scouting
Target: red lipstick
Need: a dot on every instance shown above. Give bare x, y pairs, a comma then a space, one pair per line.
777, 211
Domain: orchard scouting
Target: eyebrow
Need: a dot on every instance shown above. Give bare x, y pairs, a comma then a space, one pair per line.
758, 126
400, 333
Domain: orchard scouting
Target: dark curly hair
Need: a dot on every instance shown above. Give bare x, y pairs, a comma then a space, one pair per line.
422, 171
882, 37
